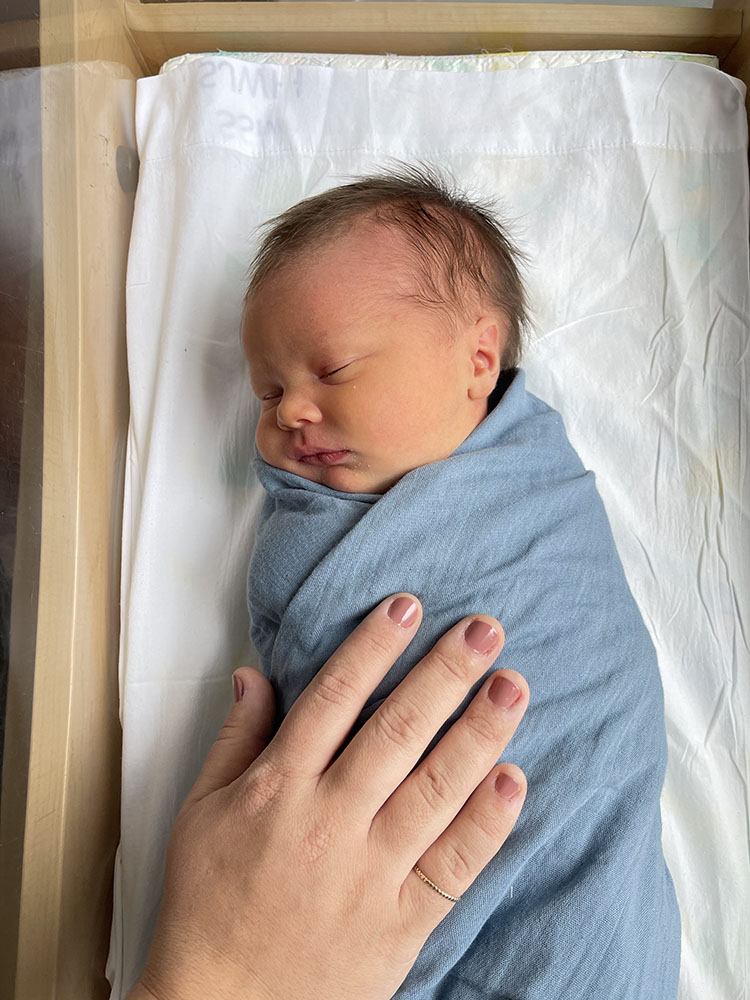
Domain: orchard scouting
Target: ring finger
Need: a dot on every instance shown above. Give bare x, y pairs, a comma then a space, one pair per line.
452, 863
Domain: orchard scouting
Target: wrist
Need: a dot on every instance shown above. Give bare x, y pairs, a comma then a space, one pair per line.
175, 992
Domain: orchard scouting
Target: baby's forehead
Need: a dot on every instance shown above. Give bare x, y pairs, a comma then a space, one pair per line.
354, 279
327, 281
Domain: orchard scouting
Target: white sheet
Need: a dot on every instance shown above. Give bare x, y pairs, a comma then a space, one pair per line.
626, 181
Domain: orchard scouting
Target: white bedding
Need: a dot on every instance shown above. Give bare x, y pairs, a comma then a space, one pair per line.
626, 181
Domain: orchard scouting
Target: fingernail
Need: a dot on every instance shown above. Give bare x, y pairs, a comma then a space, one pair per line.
239, 688
480, 636
503, 692
506, 787
403, 611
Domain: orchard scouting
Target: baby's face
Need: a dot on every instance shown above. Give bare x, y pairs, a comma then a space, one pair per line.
357, 387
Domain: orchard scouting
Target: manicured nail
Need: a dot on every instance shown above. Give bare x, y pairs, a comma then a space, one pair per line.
403, 611
506, 787
480, 636
239, 688
503, 692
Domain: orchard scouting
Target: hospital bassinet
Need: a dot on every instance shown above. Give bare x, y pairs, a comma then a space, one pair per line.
61, 775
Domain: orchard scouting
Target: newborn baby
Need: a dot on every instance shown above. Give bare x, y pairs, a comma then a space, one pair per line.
400, 451
358, 382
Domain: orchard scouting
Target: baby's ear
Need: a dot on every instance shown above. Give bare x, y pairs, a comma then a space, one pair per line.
490, 337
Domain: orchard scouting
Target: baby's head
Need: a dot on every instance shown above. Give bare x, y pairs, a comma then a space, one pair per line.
377, 320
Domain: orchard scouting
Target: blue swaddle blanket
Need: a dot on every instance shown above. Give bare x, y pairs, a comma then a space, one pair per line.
579, 902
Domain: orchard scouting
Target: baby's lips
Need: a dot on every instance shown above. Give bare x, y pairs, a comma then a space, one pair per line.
306, 450
324, 458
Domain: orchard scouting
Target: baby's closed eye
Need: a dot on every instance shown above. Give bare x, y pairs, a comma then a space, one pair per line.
343, 372
334, 371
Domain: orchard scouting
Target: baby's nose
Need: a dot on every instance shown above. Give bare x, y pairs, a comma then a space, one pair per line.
295, 410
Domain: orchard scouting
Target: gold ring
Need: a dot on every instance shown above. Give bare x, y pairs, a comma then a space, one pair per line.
446, 895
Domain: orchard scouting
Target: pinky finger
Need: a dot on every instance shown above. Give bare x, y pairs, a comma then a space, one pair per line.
452, 863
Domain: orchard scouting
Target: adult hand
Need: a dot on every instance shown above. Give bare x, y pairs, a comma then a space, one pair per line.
290, 873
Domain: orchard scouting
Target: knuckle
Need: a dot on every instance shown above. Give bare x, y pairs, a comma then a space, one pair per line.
483, 730
434, 786
262, 787
316, 841
400, 723
488, 825
453, 667
458, 863
376, 643
335, 688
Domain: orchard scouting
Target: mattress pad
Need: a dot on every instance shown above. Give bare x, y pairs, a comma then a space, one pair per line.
633, 213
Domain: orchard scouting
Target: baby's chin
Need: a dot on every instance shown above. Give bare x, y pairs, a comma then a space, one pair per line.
343, 477
351, 476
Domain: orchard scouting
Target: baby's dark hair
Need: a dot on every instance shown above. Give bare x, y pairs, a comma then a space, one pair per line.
456, 247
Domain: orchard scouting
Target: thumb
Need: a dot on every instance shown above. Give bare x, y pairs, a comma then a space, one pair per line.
243, 736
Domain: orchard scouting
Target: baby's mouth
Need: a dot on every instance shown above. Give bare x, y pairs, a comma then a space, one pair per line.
324, 457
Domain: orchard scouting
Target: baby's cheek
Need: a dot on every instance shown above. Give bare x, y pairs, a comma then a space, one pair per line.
392, 432
264, 437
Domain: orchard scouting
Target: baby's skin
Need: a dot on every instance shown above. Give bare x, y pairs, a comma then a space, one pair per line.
359, 384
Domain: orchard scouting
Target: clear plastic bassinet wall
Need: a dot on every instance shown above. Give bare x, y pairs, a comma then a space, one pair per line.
67, 188
68, 175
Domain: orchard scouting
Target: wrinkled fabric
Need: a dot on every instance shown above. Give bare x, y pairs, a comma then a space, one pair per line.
579, 902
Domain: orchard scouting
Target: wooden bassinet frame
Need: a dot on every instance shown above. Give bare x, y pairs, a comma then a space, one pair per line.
60, 797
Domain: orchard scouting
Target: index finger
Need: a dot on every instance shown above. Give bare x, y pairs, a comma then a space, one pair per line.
323, 715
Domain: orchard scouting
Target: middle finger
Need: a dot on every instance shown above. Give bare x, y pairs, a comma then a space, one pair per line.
396, 735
